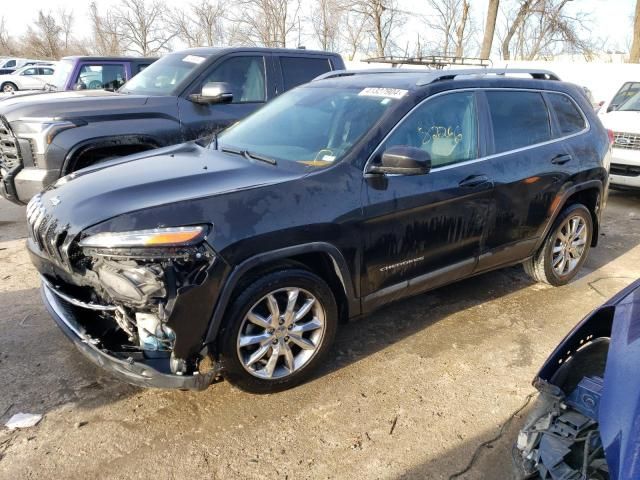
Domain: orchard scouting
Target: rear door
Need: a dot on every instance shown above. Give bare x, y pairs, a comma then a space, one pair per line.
30, 80
533, 161
248, 74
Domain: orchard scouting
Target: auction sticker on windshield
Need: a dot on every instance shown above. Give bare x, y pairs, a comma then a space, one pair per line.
383, 92
193, 59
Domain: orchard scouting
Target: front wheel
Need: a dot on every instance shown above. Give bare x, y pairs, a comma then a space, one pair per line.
278, 330
565, 249
9, 87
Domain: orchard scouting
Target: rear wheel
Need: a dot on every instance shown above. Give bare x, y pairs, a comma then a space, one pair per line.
9, 87
279, 329
565, 249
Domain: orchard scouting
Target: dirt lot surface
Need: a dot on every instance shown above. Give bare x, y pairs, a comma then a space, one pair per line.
411, 392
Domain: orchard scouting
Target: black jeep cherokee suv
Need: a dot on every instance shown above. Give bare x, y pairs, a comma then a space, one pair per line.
175, 267
183, 96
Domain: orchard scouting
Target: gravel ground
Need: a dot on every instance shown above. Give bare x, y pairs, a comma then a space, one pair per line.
411, 392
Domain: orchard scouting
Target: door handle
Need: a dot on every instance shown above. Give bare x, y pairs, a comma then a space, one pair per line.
561, 159
474, 181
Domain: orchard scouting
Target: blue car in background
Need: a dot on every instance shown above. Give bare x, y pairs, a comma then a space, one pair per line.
586, 423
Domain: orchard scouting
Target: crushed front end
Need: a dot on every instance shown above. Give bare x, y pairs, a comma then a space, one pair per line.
137, 304
586, 422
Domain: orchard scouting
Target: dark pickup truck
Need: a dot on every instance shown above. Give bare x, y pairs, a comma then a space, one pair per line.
187, 95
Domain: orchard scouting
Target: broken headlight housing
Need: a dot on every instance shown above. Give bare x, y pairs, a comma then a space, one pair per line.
155, 237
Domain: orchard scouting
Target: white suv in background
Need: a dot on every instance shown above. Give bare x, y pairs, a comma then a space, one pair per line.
624, 121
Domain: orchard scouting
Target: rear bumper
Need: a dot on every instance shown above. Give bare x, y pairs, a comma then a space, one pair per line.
127, 370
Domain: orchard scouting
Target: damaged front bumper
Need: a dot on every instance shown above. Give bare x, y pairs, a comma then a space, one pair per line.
142, 373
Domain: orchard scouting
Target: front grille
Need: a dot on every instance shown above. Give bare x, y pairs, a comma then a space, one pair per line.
9, 150
624, 170
629, 141
45, 232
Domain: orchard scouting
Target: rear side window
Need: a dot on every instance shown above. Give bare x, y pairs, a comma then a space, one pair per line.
570, 120
299, 70
519, 119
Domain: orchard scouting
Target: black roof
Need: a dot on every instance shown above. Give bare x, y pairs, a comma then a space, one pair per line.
414, 79
225, 50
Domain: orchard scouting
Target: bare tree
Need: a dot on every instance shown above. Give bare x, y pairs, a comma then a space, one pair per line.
543, 28
383, 17
143, 26
353, 33
106, 36
266, 22
66, 20
451, 21
327, 20
7, 46
200, 24
43, 38
490, 28
634, 55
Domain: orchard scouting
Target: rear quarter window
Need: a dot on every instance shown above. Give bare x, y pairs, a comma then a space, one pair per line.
519, 118
299, 70
570, 119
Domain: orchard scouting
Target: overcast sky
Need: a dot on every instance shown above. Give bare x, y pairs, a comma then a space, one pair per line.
611, 19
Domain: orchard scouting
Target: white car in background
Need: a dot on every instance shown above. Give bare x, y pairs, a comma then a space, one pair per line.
624, 122
30, 77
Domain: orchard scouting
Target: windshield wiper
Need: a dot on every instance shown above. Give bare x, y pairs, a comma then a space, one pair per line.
249, 155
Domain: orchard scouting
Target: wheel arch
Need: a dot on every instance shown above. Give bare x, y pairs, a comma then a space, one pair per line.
122, 144
323, 259
590, 195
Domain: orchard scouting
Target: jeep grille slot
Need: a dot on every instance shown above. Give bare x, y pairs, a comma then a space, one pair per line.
43, 229
9, 151
629, 141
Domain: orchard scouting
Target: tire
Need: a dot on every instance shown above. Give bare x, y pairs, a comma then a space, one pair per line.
95, 85
9, 87
248, 347
540, 267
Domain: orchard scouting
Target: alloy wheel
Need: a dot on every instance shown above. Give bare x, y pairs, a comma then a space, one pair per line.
281, 333
569, 245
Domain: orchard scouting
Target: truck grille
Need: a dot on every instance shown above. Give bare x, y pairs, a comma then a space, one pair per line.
46, 232
625, 170
629, 141
9, 150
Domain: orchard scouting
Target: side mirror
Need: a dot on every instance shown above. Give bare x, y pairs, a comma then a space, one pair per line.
80, 86
403, 160
213, 92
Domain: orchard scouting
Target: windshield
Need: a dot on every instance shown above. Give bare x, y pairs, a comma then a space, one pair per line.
312, 126
162, 76
633, 104
61, 74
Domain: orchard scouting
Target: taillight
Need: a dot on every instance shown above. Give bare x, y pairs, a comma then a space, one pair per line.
612, 136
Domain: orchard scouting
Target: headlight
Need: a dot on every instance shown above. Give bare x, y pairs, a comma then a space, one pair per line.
156, 237
40, 130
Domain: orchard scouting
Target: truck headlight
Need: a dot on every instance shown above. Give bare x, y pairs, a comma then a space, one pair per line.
40, 130
156, 237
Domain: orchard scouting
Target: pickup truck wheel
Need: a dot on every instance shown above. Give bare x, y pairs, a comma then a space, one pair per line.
9, 87
279, 329
565, 249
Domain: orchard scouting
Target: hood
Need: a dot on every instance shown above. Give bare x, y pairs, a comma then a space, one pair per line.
20, 93
160, 177
622, 121
71, 105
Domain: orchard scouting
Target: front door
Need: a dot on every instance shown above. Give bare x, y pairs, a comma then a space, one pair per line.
247, 76
425, 230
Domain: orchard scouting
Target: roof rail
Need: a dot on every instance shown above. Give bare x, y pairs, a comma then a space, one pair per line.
434, 61
443, 75
366, 71
431, 76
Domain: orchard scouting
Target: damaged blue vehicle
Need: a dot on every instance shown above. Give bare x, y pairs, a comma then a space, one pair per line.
586, 424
